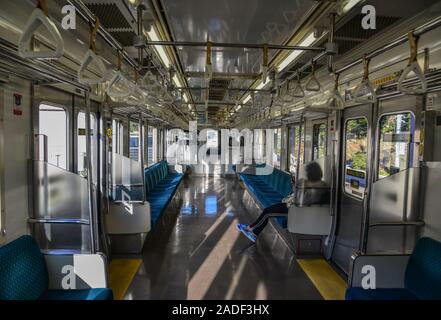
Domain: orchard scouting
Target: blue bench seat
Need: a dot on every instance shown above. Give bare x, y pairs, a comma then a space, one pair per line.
270, 189
160, 187
422, 277
24, 276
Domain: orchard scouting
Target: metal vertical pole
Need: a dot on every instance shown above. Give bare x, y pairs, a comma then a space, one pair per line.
300, 147
92, 216
141, 153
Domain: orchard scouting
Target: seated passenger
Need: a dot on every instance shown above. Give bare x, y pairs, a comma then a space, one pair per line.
313, 190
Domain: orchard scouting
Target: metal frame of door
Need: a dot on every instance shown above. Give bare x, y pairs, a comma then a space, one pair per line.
347, 239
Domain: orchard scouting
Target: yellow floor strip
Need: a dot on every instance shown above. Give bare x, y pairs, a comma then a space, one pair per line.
327, 281
121, 274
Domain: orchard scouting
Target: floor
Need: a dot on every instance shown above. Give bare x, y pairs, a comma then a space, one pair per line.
197, 253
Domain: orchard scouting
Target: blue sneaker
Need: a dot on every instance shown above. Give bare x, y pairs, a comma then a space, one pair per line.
244, 229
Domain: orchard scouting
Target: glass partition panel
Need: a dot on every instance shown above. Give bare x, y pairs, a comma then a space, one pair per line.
59, 194
69, 237
394, 200
127, 179
314, 182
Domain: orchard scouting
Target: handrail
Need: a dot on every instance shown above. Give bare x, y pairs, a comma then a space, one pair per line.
59, 221
371, 97
313, 84
92, 57
38, 18
398, 223
413, 66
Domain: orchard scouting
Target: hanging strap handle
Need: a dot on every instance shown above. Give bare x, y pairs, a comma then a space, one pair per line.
336, 101
413, 66
313, 84
40, 17
92, 57
298, 91
365, 86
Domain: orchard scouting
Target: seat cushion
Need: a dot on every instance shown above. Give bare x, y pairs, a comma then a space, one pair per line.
86, 294
23, 273
423, 272
379, 294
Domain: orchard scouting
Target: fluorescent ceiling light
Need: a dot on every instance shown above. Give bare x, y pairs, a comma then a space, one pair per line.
238, 107
190, 107
153, 36
248, 98
295, 53
177, 81
262, 85
350, 4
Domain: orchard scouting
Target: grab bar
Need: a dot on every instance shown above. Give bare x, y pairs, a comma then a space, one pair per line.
92, 57
59, 221
366, 84
39, 17
413, 66
399, 223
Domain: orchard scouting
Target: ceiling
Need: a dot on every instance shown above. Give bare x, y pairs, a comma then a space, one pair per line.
240, 21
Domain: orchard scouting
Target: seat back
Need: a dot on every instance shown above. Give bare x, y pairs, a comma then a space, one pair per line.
280, 181
23, 273
154, 175
423, 272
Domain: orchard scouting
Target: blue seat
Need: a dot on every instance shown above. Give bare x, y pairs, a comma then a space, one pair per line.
160, 186
422, 278
24, 276
270, 189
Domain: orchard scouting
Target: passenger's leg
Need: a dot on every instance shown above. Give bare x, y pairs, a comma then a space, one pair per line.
277, 210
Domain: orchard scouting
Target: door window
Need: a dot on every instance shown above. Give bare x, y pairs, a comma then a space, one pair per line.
395, 145
53, 124
356, 151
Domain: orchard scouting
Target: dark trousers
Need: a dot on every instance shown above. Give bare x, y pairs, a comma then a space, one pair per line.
276, 210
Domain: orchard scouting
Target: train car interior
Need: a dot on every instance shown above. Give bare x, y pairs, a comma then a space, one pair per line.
220, 150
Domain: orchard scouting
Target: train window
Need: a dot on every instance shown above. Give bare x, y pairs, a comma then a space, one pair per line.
319, 141
277, 147
259, 145
53, 124
356, 140
294, 145
81, 141
134, 140
152, 145
395, 145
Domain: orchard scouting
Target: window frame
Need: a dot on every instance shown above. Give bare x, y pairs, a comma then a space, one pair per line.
377, 140
344, 157
68, 131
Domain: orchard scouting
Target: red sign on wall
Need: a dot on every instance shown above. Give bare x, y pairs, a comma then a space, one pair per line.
17, 110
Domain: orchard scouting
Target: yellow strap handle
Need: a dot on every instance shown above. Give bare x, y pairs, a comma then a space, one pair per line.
413, 42
42, 5
366, 63
93, 33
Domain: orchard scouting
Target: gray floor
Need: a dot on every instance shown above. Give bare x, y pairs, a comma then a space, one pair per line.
197, 253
